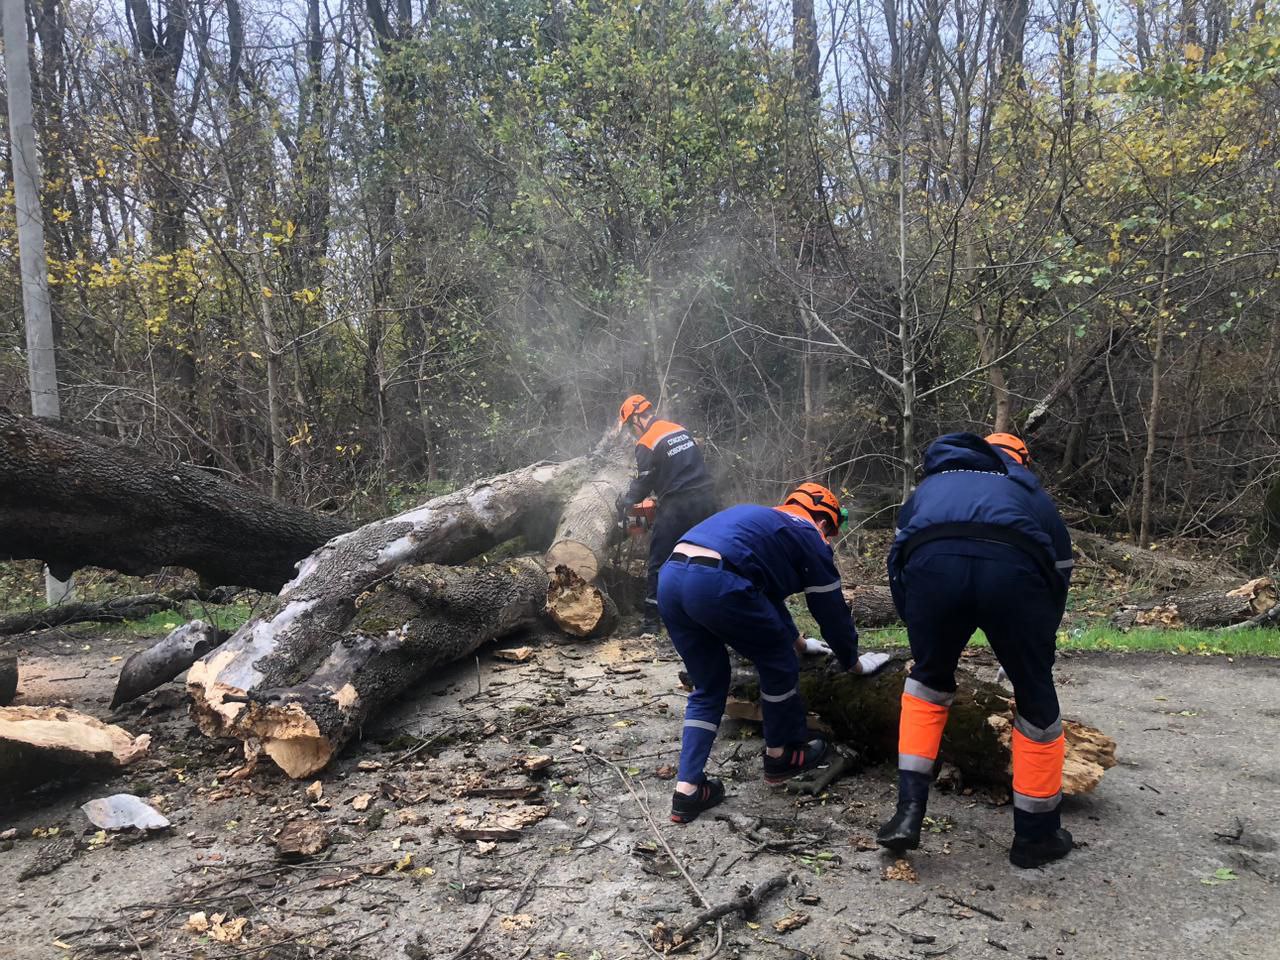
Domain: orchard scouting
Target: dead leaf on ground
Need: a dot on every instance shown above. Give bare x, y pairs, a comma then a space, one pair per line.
302, 838
864, 844
361, 802
901, 870
792, 921
666, 772
516, 922
514, 654
485, 846
196, 923
315, 791
227, 931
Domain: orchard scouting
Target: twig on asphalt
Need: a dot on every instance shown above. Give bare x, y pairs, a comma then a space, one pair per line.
969, 906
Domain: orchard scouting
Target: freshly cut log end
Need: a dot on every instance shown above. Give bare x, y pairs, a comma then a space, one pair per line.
421, 618
1201, 609
576, 556
577, 607
588, 522
38, 744
148, 669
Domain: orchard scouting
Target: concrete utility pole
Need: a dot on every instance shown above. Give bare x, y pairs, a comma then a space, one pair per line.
42, 364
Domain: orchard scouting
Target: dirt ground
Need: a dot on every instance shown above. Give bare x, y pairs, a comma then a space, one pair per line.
1178, 853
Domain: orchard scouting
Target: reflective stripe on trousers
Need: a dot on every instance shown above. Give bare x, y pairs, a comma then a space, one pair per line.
924, 717
1038, 754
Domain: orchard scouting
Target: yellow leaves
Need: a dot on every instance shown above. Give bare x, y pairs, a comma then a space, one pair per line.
306, 295
1193, 52
266, 292
60, 215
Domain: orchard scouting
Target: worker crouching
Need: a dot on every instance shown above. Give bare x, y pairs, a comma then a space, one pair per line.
725, 586
980, 545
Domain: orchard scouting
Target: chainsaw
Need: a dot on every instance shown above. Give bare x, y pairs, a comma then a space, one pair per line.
639, 519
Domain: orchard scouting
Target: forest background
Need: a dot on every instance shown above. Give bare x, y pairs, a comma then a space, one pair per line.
358, 254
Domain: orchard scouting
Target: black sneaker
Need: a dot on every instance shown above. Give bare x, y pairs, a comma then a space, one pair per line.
1027, 853
796, 758
685, 807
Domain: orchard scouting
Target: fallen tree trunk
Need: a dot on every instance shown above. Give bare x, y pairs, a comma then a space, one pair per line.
1201, 609
8, 678
320, 602
304, 703
1161, 571
75, 501
109, 611
588, 524
863, 712
38, 744
872, 606
147, 669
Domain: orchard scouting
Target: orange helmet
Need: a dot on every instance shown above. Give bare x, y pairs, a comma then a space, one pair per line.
818, 501
1010, 445
636, 403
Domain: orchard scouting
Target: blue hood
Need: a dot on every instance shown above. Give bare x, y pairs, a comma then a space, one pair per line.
963, 451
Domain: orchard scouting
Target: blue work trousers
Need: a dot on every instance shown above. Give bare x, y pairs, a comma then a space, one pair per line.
707, 610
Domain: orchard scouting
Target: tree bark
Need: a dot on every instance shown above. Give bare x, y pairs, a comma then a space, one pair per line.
107, 611
300, 703
864, 712
1159, 570
317, 608
38, 744
160, 663
1201, 609
8, 678
589, 520
74, 501
872, 606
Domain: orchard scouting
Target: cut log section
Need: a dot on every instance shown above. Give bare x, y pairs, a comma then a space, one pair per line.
147, 669
872, 606
1161, 571
303, 701
588, 524
39, 744
74, 501
1201, 609
317, 606
114, 610
864, 711
579, 608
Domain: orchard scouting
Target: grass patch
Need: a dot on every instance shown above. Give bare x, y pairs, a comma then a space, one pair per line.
227, 617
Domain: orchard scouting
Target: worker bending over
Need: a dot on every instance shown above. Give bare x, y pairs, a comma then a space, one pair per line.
980, 545
726, 585
669, 466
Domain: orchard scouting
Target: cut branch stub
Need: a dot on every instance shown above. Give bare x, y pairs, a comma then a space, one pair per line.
588, 523
579, 608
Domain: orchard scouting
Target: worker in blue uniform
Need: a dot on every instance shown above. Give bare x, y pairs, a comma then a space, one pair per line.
980, 545
725, 586
669, 466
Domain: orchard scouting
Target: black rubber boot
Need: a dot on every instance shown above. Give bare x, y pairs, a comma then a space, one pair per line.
796, 759
1028, 852
685, 807
902, 831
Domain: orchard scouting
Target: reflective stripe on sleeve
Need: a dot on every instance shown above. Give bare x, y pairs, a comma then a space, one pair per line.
827, 588
1065, 564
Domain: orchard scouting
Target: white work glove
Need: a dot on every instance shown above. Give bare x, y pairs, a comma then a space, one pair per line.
870, 663
813, 646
